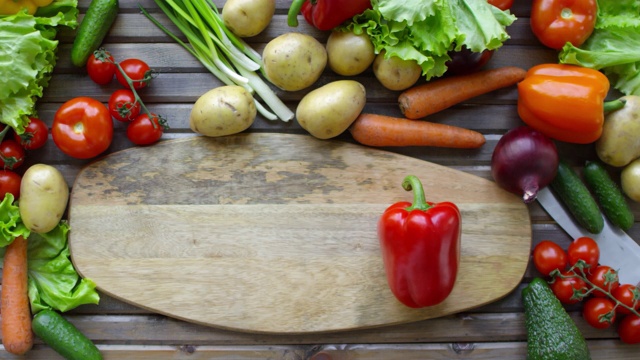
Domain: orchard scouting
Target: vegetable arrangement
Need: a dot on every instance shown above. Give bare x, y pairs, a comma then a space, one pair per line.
216, 41
227, 56
575, 276
37, 272
425, 31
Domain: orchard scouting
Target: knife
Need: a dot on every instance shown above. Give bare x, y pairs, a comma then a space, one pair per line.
617, 248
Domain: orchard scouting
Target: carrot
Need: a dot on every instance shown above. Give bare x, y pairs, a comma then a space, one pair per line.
429, 98
17, 336
381, 130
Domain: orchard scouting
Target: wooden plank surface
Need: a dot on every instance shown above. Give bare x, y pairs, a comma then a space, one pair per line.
124, 331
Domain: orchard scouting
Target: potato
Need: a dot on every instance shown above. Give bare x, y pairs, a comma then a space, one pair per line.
247, 18
349, 54
43, 198
328, 111
294, 61
619, 143
395, 73
222, 111
630, 180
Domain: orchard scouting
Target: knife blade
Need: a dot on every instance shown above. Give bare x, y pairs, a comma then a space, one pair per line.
617, 248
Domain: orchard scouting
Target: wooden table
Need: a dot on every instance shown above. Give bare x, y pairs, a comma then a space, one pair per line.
123, 331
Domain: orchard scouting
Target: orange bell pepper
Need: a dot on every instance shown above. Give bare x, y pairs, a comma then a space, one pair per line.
565, 102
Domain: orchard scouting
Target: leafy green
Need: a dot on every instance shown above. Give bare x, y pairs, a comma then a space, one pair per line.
426, 30
53, 281
613, 47
11, 225
27, 57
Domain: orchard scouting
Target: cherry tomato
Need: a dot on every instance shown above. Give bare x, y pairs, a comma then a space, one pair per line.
123, 105
82, 128
629, 295
556, 22
605, 278
11, 154
598, 312
629, 329
9, 183
137, 70
564, 288
144, 130
586, 249
101, 68
549, 256
465, 61
501, 4
35, 135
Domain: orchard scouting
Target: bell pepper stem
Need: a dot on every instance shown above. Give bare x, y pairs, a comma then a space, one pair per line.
412, 183
614, 105
294, 10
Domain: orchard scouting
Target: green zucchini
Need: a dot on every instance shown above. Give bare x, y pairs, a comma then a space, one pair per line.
577, 198
92, 30
608, 195
551, 333
63, 337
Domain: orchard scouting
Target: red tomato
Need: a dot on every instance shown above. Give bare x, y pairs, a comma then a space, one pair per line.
556, 22
549, 256
82, 128
144, 130
101, 68
35, 135
11, 154
137, 70
564, 288
598, 312
605, 278
629, 295
629, 329
586, 249
9, 183
501, 4
123, 105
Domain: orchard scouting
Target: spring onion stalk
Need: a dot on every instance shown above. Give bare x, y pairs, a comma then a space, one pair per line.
225, 55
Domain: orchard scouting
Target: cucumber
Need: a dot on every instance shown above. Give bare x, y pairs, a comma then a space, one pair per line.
551, 333
579, 201
608, 195
63, 337
92, 30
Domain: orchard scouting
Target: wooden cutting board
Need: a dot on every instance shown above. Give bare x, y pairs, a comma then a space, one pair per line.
276, 233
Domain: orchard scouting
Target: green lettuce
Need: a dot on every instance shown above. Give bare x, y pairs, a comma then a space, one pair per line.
11, 225
426, 30
613, 47
27, 57
53, 281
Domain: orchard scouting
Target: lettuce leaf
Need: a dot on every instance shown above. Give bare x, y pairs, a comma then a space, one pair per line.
11, 225
53, 281
613, 47
27, 57
426, 30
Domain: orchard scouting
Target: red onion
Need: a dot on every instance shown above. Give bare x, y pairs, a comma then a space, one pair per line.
524, 161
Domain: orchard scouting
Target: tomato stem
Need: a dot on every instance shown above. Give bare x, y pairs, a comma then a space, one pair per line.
580, 266
566, 13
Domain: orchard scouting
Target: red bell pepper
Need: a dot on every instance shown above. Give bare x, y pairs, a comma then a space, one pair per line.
420, 245
326, 14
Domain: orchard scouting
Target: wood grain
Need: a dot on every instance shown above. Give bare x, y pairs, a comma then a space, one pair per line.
276, 233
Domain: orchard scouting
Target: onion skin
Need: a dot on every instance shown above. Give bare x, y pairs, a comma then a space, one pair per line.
524, 161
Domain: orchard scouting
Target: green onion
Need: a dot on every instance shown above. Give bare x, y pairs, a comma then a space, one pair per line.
225, 55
